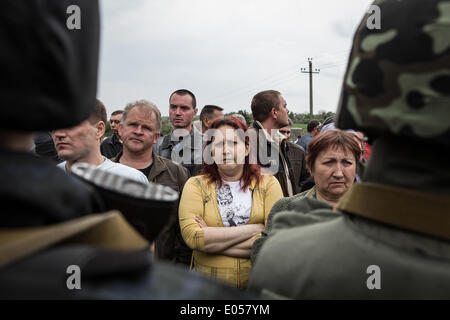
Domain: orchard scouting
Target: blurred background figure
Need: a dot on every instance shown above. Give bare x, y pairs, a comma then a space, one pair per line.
240, 117
313, 130
44, 146
112, 145
208, 114
286, 131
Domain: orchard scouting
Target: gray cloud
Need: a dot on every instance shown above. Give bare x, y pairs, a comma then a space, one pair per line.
225, 51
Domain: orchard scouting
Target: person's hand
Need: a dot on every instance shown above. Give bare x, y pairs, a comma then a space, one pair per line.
200, 222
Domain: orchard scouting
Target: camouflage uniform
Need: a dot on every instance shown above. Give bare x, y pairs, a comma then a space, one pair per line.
390, 237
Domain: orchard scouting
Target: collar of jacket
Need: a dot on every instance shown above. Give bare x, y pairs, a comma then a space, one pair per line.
169, 141
115, 139
279, 137
158, 167
117, 157
108, 230
311, 193
422, 212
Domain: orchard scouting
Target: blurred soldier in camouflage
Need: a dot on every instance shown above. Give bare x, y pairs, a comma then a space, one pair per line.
390, 237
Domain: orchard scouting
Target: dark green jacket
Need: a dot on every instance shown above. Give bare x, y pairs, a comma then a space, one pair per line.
284, 204
317, 253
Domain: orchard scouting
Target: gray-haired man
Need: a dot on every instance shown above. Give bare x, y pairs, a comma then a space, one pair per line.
139, 129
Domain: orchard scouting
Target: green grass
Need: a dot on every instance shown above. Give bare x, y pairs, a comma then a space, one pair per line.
300, 125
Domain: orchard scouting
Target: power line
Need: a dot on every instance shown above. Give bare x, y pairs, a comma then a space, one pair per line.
337, 59
279, 74
272, 77
258, 87
327, 55
338, 64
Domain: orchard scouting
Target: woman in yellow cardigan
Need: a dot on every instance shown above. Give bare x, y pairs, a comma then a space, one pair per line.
225, 209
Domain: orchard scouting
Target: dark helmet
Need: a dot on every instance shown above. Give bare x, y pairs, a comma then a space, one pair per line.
398, 77
48, 76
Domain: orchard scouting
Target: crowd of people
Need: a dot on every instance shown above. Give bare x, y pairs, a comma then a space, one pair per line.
270, 217
243, 195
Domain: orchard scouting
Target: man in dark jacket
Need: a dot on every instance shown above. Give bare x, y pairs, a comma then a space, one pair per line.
296, 156
112, 145
273, 152
184, 144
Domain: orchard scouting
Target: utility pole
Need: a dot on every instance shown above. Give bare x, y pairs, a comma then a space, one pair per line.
310, 71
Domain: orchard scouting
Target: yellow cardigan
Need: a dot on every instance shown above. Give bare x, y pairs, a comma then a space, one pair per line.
199, 199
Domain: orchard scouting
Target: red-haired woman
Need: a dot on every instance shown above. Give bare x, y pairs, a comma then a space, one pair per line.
224, 210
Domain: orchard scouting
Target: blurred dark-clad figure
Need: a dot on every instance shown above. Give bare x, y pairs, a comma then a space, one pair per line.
112, 145
313, 130
59, 92
44, 146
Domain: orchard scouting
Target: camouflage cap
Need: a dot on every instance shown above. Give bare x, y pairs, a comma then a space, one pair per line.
398, 77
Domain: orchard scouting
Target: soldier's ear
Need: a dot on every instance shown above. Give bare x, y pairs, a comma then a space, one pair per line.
120, 128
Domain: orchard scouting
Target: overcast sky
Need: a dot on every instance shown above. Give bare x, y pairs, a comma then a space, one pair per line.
225, 51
